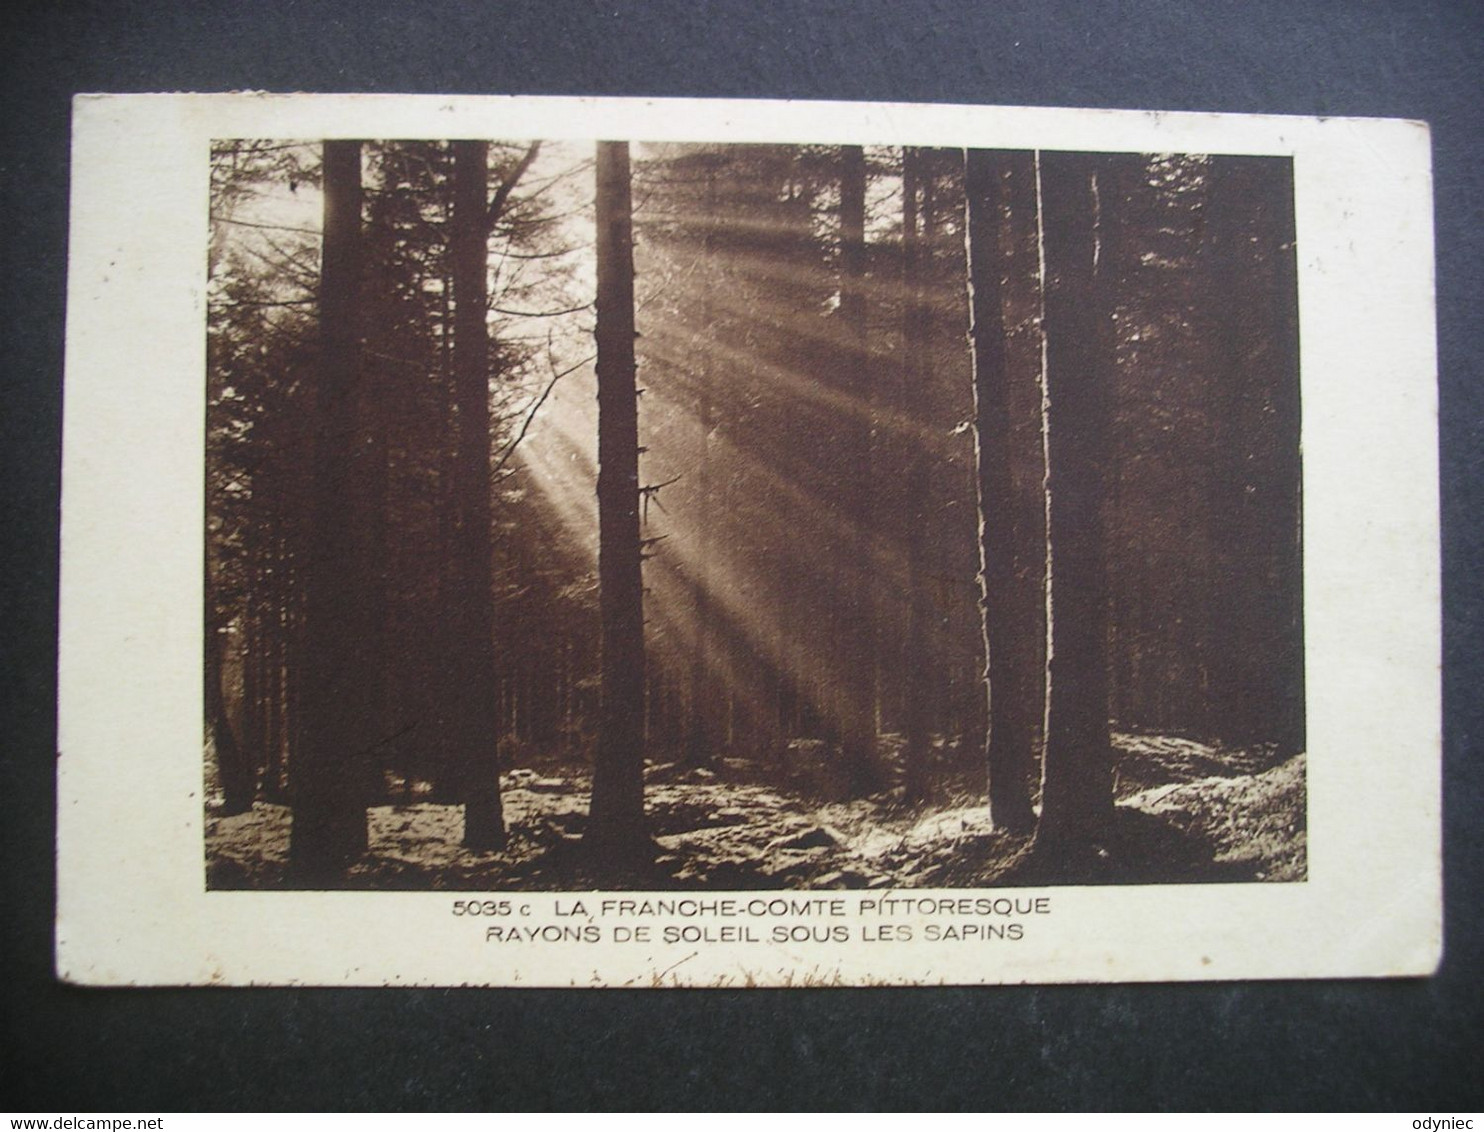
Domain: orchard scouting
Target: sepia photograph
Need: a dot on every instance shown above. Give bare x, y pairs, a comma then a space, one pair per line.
773, 557
742, 516
600, 542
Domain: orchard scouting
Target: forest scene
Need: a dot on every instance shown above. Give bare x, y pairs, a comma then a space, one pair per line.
742, 516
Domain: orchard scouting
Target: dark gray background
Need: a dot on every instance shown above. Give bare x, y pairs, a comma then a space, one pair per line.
1403, 1044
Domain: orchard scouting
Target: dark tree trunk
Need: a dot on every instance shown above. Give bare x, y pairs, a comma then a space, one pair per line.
701, 709
331, 775
1282, 505
917, 475
443, 761
275, 646
856, 578
275, 768
1011, 690
1076, 783
1257, 677
1021, 244
616, 824
476, 719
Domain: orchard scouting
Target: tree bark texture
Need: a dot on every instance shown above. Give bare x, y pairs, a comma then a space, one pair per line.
1076, 781
331, 781
1010, 753
856, 579
476, 720
915, 721
1258, 676
701, 730
616, 823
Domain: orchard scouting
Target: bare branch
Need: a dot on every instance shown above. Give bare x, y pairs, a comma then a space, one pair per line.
525, 426
265, 227
224, 303
542, 314
507, 186
547, 255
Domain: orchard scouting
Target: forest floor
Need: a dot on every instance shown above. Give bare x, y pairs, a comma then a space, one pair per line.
1186, 812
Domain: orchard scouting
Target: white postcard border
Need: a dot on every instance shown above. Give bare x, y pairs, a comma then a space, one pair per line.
132, 906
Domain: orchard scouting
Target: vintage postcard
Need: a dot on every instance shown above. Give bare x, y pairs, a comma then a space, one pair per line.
603, 542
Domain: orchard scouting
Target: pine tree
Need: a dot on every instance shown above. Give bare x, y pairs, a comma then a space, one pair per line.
855, 578
616, 830
331, 784
477, 725
1076, 780
1010, 753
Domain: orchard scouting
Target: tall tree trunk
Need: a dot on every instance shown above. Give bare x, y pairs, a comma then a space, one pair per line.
915, 369
856, 577
1076, 783
443, 759
331, 775
1021, 244
476, 720
1283, 506
276, 767
1010, 753
1257, 677
616, 825
278, 645
700, 728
